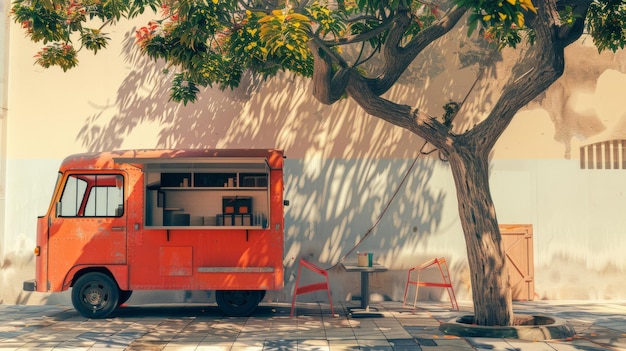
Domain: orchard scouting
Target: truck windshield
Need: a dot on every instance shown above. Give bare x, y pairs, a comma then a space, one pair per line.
92, 195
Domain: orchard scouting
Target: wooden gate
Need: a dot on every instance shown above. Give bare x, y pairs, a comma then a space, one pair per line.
518, 245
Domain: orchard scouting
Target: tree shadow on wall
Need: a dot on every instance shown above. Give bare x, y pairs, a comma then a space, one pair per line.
142, 106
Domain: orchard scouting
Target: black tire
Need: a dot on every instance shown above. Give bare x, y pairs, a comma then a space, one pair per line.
124, 296
238, 303
95, 295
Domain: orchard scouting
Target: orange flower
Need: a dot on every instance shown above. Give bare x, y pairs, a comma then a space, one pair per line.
165, 10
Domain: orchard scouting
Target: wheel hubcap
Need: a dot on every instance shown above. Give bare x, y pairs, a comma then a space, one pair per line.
238, 298
94, 296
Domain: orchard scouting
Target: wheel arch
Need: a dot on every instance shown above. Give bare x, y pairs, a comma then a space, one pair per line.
119, 273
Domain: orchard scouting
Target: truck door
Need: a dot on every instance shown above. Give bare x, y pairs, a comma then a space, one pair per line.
88, 226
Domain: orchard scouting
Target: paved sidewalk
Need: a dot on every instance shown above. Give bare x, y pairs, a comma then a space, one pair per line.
599, 326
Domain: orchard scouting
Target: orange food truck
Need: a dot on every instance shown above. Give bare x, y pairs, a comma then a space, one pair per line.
163, 220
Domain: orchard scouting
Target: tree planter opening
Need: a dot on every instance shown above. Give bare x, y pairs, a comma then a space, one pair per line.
526, 327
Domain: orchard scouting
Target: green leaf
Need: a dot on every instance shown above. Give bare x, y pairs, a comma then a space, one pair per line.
472, 24
57, 54
183, 90
93, 39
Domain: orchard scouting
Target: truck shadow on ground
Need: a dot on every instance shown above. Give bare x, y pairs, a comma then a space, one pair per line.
193, 311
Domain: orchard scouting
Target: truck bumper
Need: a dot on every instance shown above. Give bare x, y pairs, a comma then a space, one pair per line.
30, 285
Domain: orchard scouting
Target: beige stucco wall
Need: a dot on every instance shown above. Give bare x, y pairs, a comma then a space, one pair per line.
342, 166
4, 79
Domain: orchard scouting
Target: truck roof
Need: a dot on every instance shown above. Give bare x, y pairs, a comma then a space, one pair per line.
141, 157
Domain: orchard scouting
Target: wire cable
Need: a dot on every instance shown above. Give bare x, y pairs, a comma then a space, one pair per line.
382, 214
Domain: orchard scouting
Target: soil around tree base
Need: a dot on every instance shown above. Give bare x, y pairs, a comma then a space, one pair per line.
526, 327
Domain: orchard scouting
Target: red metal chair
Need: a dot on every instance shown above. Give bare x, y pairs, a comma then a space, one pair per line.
311, 287
445, 275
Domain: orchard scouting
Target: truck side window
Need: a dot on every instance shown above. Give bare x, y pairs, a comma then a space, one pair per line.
93, 195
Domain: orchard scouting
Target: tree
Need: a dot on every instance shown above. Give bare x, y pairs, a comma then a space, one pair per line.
213, 42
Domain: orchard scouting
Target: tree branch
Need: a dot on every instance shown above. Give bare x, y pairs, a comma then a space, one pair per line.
540, 67
361, 37
418, 122
328, 85
398, 58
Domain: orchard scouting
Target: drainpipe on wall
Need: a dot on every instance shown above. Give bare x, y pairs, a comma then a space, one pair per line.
4, 84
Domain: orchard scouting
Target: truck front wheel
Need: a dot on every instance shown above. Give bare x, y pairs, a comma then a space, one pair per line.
95, 295
238, 303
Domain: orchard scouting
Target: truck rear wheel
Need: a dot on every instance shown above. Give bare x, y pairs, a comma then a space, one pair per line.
238, 303
95, 295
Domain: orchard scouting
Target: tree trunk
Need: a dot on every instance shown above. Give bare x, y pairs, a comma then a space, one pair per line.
491, 290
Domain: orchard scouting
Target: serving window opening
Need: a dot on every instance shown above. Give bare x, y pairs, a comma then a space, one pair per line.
212, 193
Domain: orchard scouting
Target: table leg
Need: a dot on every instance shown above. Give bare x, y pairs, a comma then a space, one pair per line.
365, 291
364, 310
